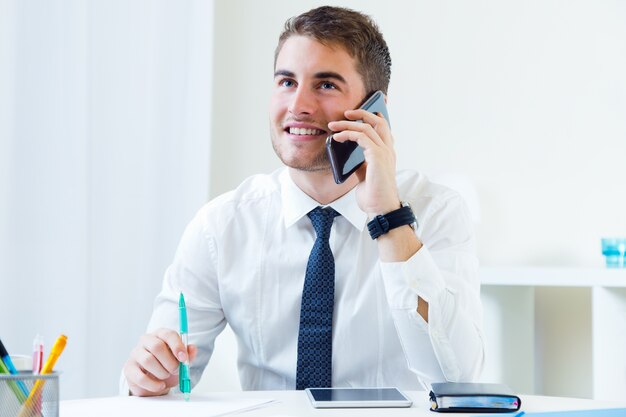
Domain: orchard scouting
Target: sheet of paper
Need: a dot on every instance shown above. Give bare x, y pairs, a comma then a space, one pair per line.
598, 412
608, 412
171, 405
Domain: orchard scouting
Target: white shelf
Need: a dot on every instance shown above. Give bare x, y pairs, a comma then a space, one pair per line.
556, 331
553, 276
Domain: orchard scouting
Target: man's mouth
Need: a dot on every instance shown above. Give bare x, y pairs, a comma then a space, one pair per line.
305, 132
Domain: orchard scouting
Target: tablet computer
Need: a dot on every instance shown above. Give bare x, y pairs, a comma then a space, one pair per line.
357, 397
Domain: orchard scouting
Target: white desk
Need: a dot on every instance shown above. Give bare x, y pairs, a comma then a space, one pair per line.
296, 403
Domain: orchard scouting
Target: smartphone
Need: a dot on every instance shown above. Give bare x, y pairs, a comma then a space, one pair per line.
347, 157
357, 397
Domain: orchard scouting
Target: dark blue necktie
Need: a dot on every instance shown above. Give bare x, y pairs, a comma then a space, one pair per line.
315, 339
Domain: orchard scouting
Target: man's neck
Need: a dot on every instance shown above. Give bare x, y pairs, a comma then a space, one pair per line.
320, 185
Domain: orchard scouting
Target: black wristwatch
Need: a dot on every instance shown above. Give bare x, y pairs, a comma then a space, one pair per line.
383, 223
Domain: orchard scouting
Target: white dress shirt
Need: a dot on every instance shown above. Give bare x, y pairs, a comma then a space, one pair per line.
243, 258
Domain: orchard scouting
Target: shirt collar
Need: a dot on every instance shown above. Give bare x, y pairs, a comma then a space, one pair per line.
296, 204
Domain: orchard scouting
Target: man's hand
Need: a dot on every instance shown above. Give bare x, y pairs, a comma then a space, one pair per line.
377, 192
152, 368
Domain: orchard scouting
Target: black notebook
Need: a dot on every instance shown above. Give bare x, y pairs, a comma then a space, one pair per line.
467, 397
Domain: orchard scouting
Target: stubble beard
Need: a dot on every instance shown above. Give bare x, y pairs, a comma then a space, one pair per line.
318, 163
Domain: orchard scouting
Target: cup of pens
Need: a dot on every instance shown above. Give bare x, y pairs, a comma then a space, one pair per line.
28, 395
34, 393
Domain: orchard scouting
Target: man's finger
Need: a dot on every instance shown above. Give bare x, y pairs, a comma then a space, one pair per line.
174, 342
142, 383
149, 362
193, 352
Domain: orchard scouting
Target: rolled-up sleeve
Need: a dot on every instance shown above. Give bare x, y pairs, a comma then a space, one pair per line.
444, 273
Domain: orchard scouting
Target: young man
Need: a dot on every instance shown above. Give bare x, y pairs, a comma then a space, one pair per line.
312, 298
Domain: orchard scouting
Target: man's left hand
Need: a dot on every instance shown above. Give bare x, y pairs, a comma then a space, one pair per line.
377, 191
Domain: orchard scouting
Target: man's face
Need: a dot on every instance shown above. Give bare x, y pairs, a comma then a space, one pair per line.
313, 85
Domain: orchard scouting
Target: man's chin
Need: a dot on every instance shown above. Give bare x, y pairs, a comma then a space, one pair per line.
318, 164
310, 168
298, 159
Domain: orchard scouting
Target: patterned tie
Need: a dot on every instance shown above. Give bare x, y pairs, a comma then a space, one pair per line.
315, 340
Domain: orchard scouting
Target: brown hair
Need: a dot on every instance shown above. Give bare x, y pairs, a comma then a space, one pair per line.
356, 32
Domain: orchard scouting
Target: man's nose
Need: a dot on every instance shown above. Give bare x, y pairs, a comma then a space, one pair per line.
303, 102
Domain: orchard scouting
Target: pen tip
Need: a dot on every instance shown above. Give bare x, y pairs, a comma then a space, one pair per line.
187, 396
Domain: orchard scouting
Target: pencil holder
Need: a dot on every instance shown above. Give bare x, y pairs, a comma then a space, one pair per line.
28, 395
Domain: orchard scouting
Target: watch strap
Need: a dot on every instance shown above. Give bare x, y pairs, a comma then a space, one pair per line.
383, 223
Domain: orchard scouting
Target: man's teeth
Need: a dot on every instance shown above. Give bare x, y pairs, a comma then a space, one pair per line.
302, 131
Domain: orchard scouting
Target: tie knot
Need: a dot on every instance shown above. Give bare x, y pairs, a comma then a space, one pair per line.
322, 219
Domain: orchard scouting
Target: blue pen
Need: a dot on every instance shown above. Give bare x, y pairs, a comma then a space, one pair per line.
183, 371
4, 356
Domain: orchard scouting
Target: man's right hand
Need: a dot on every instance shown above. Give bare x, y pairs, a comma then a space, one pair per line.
152, 368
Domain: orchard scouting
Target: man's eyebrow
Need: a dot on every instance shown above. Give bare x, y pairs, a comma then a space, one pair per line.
319, 75
284, 73
330, 74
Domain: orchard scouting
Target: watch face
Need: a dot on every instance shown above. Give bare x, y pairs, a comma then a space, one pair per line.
407, 204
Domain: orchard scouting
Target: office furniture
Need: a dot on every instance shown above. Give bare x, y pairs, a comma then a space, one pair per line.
296, 403
556, 331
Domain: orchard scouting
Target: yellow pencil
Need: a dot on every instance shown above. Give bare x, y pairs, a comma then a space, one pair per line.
56, 351
35, 393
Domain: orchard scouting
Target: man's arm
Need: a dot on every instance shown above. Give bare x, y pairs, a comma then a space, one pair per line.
443, 273
152, 367
398, 245
433, 291
377, 192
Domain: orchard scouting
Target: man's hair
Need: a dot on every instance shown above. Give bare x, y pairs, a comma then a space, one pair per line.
356, 32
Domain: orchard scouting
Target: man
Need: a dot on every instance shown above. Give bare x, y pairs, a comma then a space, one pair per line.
312, 298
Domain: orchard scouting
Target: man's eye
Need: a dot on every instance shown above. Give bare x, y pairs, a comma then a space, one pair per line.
286, 83
328, 86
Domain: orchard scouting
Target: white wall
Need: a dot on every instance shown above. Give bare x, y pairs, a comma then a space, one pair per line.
104, 129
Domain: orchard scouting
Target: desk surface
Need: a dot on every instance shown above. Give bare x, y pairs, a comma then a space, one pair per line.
296, 403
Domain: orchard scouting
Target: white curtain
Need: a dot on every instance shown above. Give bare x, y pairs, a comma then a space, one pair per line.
104, 157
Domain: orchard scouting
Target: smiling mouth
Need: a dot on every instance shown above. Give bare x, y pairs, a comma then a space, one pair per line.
298, 131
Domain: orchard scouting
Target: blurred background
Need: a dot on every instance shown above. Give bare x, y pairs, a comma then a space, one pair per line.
119, 119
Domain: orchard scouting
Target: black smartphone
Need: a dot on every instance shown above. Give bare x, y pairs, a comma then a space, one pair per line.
347, 157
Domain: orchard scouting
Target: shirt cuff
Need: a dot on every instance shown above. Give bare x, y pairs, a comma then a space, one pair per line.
417, 276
